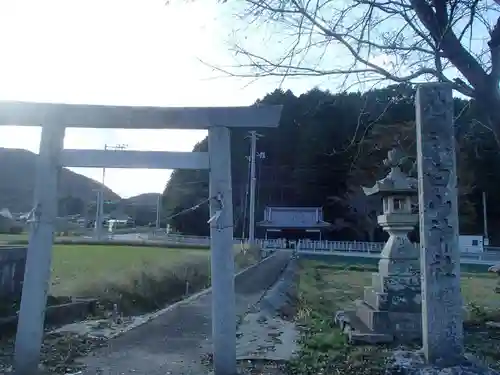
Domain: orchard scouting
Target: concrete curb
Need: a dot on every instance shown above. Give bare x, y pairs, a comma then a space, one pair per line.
280, 294
189, 299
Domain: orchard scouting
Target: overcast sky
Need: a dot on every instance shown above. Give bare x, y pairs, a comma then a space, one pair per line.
134, 52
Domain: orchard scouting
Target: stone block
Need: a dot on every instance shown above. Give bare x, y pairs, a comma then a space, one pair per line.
388, 266
377, 283
374, 299
375, 320
398, 220
403, 293
401, 281
400, 247
395, 292
405, 300
403, 325
70, 312
357, 332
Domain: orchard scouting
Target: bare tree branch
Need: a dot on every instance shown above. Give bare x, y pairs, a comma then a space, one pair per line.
454, 41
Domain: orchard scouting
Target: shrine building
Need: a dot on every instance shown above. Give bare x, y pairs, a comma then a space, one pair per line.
293, 223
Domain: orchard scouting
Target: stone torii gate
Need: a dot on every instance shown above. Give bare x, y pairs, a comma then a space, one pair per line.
54, 119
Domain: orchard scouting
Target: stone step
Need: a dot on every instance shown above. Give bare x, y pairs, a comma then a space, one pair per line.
407, 326
374, 299
375, 320
359, 333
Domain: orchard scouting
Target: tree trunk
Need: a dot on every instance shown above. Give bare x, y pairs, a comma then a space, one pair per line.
488, 100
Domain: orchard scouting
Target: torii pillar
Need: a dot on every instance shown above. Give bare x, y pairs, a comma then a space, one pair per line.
55, 118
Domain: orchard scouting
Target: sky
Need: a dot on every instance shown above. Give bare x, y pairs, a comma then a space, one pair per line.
137, 52
121, 52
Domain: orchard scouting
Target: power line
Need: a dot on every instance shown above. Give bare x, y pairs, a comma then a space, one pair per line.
193, 208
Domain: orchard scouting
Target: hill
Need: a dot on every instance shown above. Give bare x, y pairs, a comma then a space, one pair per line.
17, 182
145, 200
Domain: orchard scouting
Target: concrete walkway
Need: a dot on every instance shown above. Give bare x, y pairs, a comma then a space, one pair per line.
175, 342
264, 334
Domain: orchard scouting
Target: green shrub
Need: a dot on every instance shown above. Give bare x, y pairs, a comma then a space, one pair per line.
247, 257
153, 289
15, 229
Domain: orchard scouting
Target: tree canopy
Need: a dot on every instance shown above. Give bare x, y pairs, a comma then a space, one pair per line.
369, 41
326, 147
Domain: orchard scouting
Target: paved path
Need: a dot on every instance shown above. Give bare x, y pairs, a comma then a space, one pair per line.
175, 342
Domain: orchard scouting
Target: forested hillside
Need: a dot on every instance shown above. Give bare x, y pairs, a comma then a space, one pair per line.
326, 147
17, 184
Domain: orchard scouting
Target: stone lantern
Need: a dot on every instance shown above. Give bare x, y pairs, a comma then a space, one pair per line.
391, 306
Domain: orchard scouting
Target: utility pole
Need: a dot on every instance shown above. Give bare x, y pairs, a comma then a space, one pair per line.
485, 221
97, 228
245, 199
253, 152
100, 205
158, 208
253, 181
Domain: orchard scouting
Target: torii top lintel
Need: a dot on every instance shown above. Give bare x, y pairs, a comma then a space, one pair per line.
129, 117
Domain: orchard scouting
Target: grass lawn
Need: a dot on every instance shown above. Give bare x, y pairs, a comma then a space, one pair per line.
76, 268
22, 238
325, 288
137, 278
6, 238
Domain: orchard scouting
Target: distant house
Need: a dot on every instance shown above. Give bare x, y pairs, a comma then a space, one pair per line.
293, 223
8, 224
6, 213
471, 244
119, 215
118, 219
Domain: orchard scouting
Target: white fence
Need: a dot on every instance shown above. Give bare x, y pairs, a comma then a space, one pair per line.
361, 249
310, 245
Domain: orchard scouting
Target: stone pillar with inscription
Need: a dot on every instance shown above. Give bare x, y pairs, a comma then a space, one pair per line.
391, 307
442, 314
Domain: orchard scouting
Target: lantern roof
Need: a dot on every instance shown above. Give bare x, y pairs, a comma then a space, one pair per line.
396, 182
